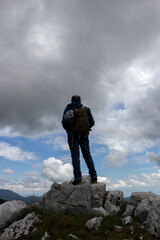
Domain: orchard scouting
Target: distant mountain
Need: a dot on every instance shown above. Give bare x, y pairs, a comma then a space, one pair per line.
9, 195
32, 199
126, 199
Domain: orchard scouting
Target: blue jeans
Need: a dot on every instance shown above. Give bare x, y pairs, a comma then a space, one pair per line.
75, 142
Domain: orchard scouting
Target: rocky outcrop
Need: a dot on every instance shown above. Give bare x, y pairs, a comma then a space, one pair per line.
113, 201
20, 228
11, 211
79, 199
86, 198
146, 208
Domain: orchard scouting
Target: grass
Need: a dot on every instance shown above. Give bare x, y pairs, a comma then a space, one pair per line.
59, 226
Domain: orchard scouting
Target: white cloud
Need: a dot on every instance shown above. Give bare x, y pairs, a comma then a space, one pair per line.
60, 142
152, 178
14, 153
117, 154
8, 171
120, 184
137, 183
104, 180
56, 170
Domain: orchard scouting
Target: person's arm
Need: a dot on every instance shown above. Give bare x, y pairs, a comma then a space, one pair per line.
64, 123
91, 119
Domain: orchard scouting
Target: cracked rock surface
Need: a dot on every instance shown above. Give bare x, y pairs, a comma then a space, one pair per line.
20, 228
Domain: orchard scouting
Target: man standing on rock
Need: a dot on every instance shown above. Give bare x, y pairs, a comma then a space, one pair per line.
77, 121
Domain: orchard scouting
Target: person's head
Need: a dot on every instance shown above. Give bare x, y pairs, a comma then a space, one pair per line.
76, 98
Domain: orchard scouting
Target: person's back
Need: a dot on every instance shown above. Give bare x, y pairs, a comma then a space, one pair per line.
77, 121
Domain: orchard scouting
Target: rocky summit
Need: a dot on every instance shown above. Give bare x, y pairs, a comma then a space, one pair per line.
77, 199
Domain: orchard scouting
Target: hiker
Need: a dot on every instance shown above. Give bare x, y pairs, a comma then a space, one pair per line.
77, 121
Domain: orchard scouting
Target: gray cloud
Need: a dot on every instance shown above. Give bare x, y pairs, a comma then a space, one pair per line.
153, 157
51, 50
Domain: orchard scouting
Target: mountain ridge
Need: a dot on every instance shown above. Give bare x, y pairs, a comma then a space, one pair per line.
9, 195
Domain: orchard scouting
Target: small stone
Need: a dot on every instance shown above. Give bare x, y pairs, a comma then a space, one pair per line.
45, 236
118, 229
72, 236
94, 223
131, 229
127, 220
99, 212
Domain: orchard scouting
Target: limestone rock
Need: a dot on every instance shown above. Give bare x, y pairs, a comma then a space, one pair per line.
20, 228
118, 229
146, 208
72, 236
137, 197
111, 209
113, 201
127, 220
99, 212
75, 199
115, 197
10, 210
131, 229
142, 210
45, 236
129, 210
94, 223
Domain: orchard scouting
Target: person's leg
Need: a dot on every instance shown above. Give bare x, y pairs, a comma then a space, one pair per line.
84, 144
74, 148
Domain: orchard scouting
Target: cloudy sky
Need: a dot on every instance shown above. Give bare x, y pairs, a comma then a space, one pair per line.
107, 52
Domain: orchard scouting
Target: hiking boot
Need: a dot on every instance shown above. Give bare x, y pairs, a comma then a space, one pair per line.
94, 180
77, 182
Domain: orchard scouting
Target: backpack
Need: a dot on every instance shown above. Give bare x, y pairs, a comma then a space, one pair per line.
81, 122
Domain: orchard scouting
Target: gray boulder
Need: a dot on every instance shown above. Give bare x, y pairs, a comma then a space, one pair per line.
142, 210
99, 212
111, 209
118, 229
129, 210
75, 199
115, 197
145, 207
113, 201
20, 228
137, 197
94, 223
11, 211
127, 220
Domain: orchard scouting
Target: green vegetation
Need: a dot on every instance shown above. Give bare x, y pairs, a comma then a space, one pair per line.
59, 226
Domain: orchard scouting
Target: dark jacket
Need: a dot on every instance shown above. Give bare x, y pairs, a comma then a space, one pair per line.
68, 126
